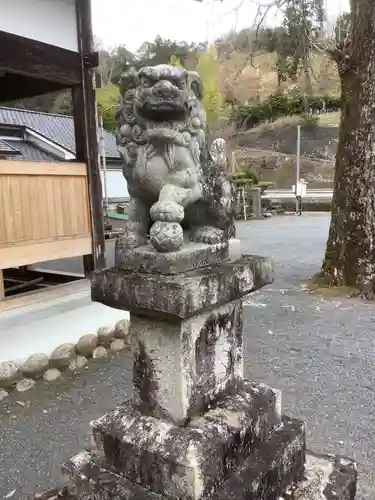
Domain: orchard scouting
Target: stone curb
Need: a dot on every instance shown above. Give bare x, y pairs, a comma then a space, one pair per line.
66, 357
325, 476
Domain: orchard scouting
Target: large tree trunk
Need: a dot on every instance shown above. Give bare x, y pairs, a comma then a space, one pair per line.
350, 252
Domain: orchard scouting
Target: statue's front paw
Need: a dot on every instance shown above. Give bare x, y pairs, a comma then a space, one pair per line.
209, 235
130, 239
167, 211
129, 242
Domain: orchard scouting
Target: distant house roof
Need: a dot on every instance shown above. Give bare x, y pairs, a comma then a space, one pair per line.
8, 149
57, 128
30, 152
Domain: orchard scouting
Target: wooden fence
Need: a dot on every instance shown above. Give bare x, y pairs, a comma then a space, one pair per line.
44, 212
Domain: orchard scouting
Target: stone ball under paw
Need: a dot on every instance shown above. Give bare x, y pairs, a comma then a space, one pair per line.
167, 211
166, 236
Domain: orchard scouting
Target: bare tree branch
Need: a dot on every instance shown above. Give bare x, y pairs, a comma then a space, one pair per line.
262, 12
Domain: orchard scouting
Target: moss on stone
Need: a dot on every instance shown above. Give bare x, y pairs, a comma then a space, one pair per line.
318, 285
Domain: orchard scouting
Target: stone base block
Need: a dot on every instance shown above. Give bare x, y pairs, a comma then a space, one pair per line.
183, 295
186, 462
146, 259
329, 477
269, 468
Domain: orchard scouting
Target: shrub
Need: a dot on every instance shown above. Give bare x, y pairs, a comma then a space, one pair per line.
276, 106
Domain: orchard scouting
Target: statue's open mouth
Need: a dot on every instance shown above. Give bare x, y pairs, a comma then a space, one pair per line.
163, 111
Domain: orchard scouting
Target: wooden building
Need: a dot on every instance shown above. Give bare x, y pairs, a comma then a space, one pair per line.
50, 210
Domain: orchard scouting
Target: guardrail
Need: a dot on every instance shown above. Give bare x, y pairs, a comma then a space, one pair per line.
312, 194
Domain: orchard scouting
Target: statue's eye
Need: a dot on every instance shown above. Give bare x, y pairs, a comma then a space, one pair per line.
180, 83
146, 82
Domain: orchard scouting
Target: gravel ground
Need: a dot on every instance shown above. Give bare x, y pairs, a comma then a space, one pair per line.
319, 352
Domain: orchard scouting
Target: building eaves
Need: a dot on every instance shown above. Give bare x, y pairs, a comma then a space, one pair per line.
56, 128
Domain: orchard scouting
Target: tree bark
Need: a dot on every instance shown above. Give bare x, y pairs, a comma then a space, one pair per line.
350, 252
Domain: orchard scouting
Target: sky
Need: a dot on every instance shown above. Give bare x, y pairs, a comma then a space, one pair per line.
132, 22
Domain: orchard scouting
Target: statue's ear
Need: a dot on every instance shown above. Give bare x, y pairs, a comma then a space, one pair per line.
128, 81
196, 84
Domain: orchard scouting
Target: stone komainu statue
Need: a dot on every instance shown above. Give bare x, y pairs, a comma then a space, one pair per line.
177, 188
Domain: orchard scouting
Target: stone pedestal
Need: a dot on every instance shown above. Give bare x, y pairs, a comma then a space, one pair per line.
194, 429
257, 203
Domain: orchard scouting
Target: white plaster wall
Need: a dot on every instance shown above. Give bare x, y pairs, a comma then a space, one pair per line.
49, 21
41, 328
116, 184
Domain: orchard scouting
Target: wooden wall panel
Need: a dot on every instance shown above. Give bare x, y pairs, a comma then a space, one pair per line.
43, 206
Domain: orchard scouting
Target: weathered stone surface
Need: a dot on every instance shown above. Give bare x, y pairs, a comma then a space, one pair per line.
260, 471
202, 455
331, 477
172, 178
263, 270
183, 295
86, 344
100, 352
181, 367
62, 356
77, 363
51, 375
146, 259
167, 211
234, 248
117, 345
57, 493
35, 366
270, 467
266, 473
122, 329
166, 236
25, 385
88, 479
9, 373
106, 335
3, 394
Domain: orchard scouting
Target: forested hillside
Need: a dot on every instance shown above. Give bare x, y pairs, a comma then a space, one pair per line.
247, 67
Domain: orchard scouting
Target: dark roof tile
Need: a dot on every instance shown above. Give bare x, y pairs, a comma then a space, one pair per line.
57, 128
6, 148
30, 152
27, 151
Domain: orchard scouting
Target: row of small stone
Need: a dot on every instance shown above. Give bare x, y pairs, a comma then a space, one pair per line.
68, 357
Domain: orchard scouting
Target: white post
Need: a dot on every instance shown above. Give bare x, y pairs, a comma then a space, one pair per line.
104, 163
244, 204
298, 157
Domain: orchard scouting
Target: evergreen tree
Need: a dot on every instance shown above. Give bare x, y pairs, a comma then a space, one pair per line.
301, 27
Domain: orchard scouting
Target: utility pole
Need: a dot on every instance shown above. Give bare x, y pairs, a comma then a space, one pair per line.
103, 157
298, 156
103, 162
